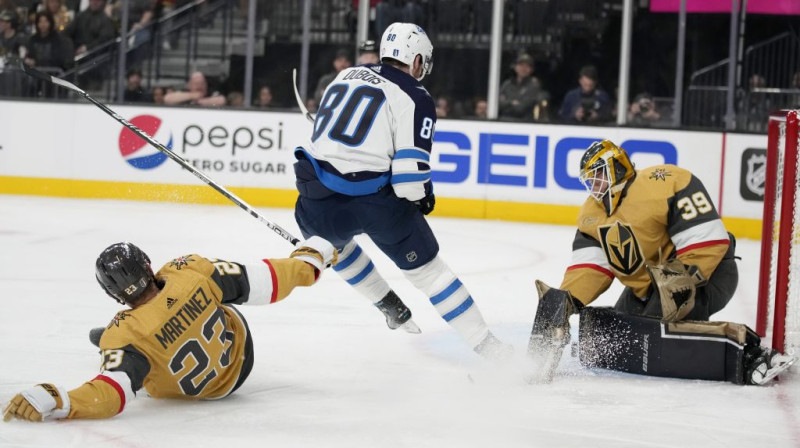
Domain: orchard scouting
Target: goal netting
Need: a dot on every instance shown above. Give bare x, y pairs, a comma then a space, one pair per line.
778, 317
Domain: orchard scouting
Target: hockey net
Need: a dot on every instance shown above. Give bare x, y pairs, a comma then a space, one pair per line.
778, 316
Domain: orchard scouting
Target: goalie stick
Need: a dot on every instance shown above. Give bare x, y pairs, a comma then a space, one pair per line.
153, 142
303, 108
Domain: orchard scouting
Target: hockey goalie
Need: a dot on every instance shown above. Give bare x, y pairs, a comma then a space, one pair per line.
657, 232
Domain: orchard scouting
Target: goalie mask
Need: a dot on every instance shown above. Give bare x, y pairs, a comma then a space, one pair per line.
403, 42
123, 271
605, 171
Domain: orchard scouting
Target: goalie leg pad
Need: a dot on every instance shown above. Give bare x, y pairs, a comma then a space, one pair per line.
646, 346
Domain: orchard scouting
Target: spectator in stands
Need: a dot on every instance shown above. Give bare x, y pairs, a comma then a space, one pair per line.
390, 11
442, 107
196, 93
158, 95
90, 28
61, 14
134, 92
481, 109
10, 39
368, 53
754, 104
28, 25
140, 14
643, 111
264, 100
522, 92
586, 103
340, 62
236, 99
46, 49
352, 16
312, 104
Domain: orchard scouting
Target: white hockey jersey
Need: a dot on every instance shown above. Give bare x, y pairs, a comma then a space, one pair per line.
374, 126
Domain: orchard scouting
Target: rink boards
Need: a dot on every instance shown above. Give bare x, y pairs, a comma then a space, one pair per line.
487, 170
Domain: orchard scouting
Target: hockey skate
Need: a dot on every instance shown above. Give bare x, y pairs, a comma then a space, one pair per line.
397, 313
763, 364
493, 349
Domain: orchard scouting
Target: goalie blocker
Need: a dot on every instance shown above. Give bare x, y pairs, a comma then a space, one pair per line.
717, 351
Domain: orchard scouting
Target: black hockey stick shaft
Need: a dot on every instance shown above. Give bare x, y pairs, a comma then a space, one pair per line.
153, 142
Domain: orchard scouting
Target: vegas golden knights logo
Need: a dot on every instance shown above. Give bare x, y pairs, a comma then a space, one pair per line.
621, 248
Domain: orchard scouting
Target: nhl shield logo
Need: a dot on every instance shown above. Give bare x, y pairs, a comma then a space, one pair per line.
753, 174
756, 173
621, 247
411, 256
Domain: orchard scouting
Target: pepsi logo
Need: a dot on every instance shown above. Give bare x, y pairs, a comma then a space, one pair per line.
136, 151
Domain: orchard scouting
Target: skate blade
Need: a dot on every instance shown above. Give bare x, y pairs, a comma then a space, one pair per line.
410, 327
772, 373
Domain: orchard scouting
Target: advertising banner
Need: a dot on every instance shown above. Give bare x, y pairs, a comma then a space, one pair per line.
540, 163
482, 169
243, 149
745, 173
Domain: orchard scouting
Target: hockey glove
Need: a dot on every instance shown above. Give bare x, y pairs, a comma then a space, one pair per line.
426, 204
550, 332
317, 252
677, 287
37, 403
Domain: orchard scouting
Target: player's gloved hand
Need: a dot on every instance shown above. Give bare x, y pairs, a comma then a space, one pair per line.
37, 403
317, 252
677, 287
426, 204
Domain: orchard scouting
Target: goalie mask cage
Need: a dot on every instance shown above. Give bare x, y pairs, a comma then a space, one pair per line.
779, 279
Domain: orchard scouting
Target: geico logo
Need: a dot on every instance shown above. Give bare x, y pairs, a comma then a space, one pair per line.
456, 167
238, 139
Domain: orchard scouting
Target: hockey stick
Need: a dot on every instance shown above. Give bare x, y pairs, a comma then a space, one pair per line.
300, 103
153, 142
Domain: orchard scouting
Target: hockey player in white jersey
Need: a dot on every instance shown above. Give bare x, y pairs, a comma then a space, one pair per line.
366, 170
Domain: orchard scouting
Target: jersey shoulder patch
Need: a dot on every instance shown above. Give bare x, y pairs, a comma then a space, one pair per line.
666, 176
121, 331
192, 262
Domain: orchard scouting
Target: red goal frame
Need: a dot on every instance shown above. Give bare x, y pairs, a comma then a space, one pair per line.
785, 225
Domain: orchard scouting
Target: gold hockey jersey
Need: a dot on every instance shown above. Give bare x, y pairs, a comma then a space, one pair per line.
188, 341
666, 212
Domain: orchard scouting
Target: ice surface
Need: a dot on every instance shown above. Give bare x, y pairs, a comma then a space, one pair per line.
328, 373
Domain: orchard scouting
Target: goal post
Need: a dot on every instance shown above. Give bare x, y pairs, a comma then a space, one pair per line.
779, 278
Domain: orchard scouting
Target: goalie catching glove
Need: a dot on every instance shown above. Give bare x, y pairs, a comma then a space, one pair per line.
37, 403
677, 287
550, 332
317, 252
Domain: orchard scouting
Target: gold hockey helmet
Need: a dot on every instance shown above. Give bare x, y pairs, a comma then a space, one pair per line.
605, 171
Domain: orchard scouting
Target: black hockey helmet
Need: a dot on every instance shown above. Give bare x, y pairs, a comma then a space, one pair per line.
123, 271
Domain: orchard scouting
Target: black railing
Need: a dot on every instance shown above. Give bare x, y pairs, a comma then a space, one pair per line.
97, 69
